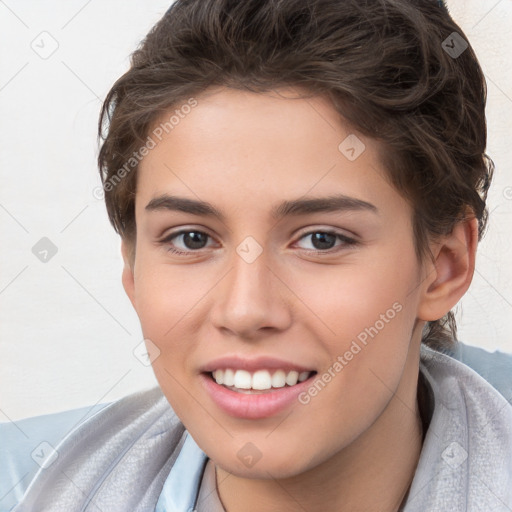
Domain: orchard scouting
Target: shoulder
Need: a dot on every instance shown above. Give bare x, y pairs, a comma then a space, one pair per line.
108, 450
466, 462
29, 444
495, 367
475, 390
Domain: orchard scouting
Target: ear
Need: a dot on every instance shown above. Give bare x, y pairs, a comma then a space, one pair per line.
128, 275
450, 276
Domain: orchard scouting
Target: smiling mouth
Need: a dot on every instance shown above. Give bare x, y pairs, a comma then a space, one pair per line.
258, 382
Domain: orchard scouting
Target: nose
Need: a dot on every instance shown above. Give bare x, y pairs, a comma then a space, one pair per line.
251, 298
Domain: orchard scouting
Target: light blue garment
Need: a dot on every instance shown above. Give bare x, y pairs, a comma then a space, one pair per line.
180, 488
21, 452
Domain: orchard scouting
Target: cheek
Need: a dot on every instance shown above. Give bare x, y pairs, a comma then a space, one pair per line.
370, 312
165, 295
349, 300
164, 299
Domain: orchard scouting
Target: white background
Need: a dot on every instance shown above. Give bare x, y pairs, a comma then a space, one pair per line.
67, 330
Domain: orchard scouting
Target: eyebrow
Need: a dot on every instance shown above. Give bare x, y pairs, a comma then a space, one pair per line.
295, 207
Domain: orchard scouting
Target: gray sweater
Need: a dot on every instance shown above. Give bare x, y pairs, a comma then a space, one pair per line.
126, 458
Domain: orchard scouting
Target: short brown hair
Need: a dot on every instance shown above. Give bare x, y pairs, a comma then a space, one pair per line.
384, 64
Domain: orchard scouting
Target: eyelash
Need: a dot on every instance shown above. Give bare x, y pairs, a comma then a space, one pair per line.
347, 241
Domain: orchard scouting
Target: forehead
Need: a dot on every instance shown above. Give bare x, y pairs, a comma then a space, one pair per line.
240, 148
254, 119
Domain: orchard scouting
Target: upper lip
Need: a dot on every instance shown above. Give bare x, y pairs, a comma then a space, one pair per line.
253, 364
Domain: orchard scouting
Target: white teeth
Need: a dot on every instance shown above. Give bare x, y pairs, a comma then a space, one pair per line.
291, 378
302, 376
259, 380
279, 379
229, 377
218, 375
243, 379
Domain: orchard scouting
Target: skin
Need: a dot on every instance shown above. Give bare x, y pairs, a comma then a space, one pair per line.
356, 444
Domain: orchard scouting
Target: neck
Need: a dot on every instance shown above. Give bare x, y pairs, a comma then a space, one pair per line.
373, 473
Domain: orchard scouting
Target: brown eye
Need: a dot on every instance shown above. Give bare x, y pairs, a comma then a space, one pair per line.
326, 240
323, 241
194, 239
191, 240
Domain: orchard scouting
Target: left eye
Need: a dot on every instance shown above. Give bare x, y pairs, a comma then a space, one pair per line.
324, 240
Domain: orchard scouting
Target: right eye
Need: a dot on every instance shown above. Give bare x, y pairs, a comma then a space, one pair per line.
193, 241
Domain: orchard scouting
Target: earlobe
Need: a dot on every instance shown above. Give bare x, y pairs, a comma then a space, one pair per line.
128, 279
451, 275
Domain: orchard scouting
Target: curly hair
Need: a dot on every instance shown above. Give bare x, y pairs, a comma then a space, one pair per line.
400, 71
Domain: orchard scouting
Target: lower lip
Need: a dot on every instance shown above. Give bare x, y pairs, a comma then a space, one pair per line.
253, 406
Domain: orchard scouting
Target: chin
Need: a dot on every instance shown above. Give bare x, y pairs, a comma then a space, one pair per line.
263, 469
270, 462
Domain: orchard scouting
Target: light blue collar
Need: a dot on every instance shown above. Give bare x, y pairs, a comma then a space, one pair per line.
181, 487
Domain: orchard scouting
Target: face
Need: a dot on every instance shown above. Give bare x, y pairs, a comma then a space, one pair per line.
269, 284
